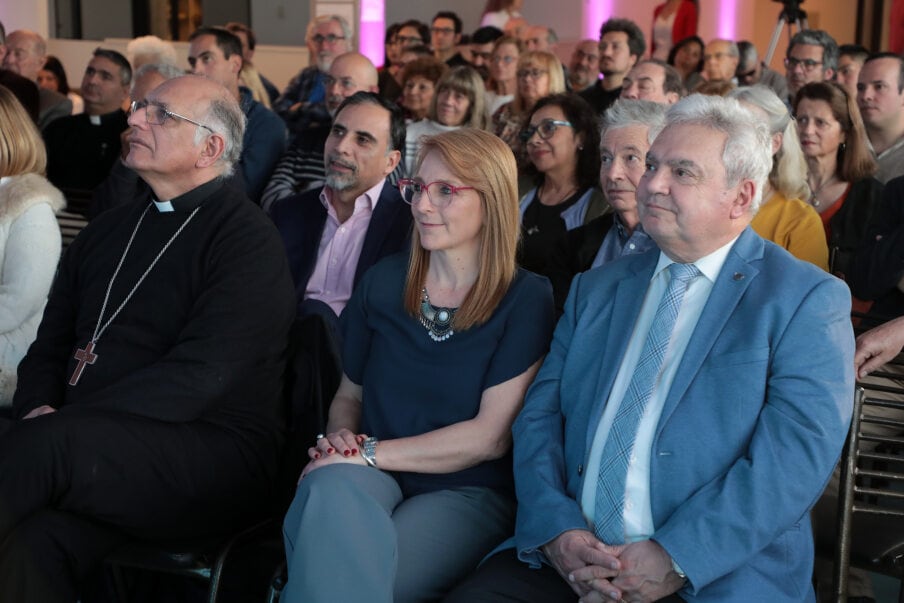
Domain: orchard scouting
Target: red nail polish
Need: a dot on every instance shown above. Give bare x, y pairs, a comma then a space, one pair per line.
354, 451
330, 451
347, 453
316, 456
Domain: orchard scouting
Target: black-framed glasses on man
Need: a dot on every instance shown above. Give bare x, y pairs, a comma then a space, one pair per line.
156, 114
807, 64
545, 129
413, 190
328, 38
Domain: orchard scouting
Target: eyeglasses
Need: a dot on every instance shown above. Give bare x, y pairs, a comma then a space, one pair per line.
413, 190
408, 40
156, 114
442, 30
545, 129
747, 75
807, 64
506, 60
483, 56
328, 38
533, 74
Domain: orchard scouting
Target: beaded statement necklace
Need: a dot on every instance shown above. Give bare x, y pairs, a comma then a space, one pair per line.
437, 321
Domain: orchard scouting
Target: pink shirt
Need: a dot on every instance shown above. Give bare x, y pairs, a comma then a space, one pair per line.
339, 250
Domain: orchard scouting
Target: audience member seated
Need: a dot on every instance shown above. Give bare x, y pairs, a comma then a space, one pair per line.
334, 234
584, 67
151, 411
503, 80
53, 77
499, 12
784, 217
301, 166
561, 140
621, 45
540, 37
880, 97
720, 61
840, 168
151, 50
25, 91
812, 56
249, 42
402, 499
458, 102
419, 79
25, 53
687, 58
389, 87
628, 128
123, 185
410, 34
673, 21
29, 237
850, 61
81, 149
653, 80
445, 35
751, 71
481, 49
539, 74
879, 263
652, 455
217, 53
302, 103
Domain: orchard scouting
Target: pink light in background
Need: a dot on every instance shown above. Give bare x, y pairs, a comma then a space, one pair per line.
727, 23
595, 12
372, 30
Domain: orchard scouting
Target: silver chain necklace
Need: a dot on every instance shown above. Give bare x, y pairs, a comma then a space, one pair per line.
86, 355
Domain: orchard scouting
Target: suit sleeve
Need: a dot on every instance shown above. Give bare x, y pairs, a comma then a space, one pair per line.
803, 423
545, 507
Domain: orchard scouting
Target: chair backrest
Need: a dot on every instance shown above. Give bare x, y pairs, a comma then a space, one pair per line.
872, 486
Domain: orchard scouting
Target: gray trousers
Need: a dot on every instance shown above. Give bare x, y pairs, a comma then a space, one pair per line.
351, 536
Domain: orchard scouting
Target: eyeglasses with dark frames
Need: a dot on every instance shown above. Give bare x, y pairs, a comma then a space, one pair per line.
546, 129
156, 114
807, 64
328, 38
413, 190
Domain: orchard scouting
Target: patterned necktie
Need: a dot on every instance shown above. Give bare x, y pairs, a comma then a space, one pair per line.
610, 487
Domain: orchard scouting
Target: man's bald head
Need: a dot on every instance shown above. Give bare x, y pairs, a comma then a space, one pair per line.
26, 52
350, 73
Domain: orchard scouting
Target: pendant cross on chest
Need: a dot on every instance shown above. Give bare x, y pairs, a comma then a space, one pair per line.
84, 356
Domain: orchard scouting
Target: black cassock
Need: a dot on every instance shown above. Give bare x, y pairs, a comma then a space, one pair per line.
174, 430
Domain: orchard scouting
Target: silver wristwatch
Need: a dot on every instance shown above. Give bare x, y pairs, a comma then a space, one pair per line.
677, 569
369, 451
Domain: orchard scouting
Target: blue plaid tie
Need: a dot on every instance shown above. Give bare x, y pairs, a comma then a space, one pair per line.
610, 487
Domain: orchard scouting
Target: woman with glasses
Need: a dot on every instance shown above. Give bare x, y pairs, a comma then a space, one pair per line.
419, 78
458, 102
539, 74
784, 217
411, 486
29, 237
840, 168
562, 142
503, 73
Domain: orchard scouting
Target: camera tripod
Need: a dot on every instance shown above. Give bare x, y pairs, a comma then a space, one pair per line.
792, 14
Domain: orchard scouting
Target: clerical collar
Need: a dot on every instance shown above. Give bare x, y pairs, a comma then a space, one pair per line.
163, 206
97, 120
187, 202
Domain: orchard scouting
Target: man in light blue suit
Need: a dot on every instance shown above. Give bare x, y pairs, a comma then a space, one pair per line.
742, 421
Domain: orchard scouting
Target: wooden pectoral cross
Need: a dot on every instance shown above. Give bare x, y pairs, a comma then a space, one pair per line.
84, 356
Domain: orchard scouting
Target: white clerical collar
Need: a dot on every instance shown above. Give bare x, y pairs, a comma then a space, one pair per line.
164, 206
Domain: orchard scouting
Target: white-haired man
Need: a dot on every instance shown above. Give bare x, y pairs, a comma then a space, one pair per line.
303, 100
651, 456
149, 403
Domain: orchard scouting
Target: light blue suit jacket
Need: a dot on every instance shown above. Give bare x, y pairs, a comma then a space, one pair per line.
751, 428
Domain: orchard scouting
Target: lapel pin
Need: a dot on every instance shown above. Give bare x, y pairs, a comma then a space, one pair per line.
738, 276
